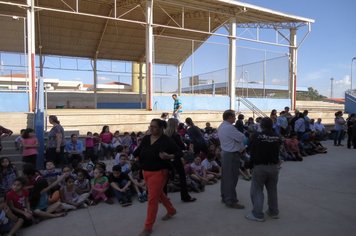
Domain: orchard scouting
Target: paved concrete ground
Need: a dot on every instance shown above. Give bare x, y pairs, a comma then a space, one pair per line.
316, 197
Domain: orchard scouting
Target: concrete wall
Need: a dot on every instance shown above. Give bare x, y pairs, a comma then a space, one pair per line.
13, 102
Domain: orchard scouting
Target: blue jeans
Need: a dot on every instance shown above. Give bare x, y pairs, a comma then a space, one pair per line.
338, 137
264, 175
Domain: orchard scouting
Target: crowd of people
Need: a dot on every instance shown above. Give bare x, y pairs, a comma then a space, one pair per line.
169, 156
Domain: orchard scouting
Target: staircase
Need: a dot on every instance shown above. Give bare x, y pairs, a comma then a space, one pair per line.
9, 151
254, 109
350, 101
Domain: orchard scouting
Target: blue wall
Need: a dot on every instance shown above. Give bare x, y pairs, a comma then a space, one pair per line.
13, 102
218, 103
18, 102
350, 103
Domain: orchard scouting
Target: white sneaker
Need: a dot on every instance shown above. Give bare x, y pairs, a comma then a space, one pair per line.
67, 207
250, 216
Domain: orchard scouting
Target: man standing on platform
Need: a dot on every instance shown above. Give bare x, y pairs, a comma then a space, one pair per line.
177, 108
232, 146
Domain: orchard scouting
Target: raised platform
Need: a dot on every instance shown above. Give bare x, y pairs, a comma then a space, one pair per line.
83, 120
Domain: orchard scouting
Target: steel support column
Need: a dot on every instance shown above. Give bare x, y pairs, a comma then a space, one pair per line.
179, 68
293, 67
141, 79
149, 54
31, 54
232, 63
95, 82
39, 122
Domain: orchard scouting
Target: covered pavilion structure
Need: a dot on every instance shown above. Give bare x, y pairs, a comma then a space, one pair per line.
137, 31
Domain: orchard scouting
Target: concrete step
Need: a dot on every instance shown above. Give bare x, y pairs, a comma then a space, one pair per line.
9, 150
81, 121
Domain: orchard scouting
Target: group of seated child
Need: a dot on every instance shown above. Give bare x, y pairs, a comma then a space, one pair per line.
52, 192
293, 149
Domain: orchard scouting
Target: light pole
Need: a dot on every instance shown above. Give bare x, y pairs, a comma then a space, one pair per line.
354, 58
246, 77
331, 85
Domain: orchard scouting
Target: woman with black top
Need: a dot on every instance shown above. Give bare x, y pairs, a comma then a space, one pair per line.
171, 131
155, 154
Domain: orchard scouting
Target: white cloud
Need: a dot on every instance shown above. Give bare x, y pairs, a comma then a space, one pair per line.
102, 78
278, 81
344, 81
340, 86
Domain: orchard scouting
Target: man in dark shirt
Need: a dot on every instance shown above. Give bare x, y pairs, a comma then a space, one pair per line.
265, 160
120, 184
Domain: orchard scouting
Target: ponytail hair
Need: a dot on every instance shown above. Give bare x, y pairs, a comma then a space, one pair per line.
54, 119
161, 123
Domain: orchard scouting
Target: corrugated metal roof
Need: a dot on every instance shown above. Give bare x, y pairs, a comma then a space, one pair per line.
77, 35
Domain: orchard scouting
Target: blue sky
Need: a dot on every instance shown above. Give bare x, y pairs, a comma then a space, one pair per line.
329, 48
325, 54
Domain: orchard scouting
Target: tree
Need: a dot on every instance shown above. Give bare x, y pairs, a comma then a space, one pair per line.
311, 95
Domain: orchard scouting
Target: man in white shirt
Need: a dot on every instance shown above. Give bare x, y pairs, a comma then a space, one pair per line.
232, 146
320, 129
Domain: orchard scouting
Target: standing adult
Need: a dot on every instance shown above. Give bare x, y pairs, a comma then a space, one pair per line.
293, 120
29, 146
320, 129
155, 152
339, 128
177, 107
232, 146
56, 142
171, 131
306, 120
239, 125
350, 122
265, 159
282, 124
299, 126
4, 133
196, 137
287, 113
